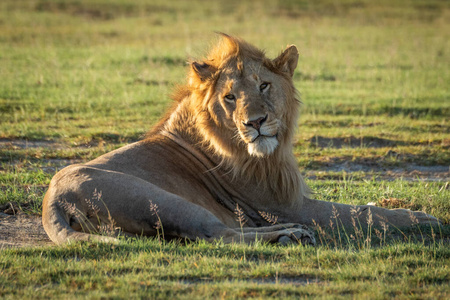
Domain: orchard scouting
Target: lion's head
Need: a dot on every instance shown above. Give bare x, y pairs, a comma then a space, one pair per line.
245, 109
249, 100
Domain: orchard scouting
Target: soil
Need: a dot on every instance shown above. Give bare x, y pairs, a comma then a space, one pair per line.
411, 172
13, 144
366, 141
22, 230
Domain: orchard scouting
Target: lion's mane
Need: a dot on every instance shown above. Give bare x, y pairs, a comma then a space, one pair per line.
278, 171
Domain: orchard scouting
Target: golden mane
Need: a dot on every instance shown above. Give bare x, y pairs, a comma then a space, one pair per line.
277, 172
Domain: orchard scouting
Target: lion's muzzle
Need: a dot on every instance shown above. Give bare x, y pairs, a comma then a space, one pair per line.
255, 123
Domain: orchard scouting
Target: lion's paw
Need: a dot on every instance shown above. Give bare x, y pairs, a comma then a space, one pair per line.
300, 235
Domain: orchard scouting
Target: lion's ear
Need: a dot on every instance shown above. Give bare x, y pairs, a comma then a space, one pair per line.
203, 71
287, 61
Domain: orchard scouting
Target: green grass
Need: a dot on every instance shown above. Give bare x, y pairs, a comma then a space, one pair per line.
81, 78
152, 270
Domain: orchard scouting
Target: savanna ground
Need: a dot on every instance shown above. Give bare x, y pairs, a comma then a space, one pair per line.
81, 78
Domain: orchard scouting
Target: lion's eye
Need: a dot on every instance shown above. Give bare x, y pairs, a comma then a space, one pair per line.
264, 86
230, 97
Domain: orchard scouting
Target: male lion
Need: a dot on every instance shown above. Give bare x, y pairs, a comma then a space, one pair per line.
222, 153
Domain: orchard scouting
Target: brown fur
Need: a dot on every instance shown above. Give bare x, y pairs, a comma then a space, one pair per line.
230, 53
224, 146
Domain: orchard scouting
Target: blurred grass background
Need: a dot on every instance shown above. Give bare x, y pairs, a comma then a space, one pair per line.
107, 60
80, 78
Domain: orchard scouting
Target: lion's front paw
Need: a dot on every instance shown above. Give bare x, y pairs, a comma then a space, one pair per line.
300, 235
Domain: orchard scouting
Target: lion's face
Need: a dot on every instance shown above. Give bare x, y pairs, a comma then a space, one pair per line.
252, 105
249, 100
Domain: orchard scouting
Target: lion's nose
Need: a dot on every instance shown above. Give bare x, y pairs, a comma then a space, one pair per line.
256, 123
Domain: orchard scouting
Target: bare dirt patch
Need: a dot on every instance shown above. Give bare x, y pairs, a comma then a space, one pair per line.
353, 142
411, 172
14, 144
22, 230
365, 142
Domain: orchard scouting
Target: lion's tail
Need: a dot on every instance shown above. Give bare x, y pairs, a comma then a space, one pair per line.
56, 223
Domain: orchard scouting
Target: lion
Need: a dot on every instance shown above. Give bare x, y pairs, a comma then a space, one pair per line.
219, 165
